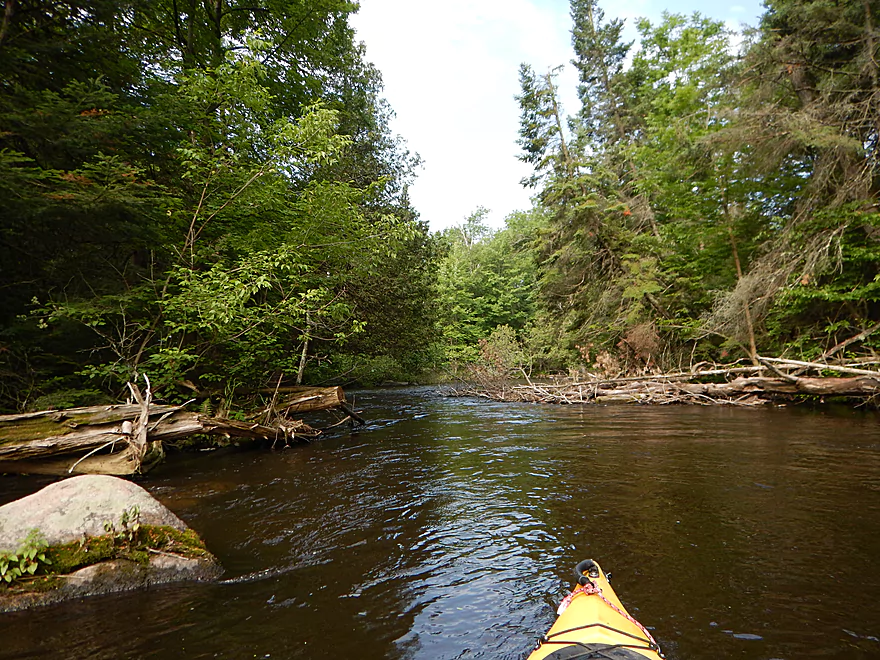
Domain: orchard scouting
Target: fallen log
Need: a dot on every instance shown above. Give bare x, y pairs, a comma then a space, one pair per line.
742, 390
311, 399
127, 439
52, 449
306, 399
857, 386
819, 366
34, 436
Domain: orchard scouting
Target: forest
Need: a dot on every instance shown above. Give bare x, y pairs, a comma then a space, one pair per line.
712, 199
209, 193
206, 192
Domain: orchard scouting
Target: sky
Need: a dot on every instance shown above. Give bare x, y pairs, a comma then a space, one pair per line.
451, 74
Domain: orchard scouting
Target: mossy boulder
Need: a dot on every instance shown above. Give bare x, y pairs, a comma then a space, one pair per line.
78, 508
104, 535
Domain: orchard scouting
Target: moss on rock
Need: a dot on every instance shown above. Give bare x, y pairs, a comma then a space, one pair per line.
147, 541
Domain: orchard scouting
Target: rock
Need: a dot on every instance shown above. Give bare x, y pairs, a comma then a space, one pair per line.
71, 509
76, 508
114, 576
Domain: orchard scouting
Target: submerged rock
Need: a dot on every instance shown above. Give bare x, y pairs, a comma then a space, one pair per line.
147, 544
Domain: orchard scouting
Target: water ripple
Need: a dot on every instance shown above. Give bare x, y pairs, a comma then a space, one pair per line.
448, 529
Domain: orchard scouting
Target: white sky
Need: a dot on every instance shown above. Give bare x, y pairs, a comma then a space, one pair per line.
451, 74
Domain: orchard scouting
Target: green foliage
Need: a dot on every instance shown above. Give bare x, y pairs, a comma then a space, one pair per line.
644, 218
821, 307
366, 370
486, 279
599, 58
502, 355
698, 203
129, 526
224, 194
210, 193
541, 128
62, 398
26, 560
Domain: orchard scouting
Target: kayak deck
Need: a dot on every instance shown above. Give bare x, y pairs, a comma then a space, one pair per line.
593, 623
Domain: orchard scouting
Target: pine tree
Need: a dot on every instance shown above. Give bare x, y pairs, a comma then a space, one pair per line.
811, 118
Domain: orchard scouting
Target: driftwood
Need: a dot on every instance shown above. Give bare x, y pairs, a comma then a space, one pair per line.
746, 386
307, 399
129, 438
304, 399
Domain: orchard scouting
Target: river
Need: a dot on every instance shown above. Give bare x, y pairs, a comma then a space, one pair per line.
448, 528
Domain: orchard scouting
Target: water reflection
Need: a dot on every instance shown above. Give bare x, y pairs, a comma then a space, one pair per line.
449, 528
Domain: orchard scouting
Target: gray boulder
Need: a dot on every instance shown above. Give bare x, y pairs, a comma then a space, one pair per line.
79, 507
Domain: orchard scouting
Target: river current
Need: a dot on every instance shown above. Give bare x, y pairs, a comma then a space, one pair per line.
448, 529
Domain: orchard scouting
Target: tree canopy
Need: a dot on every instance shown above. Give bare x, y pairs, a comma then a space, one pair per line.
207, 191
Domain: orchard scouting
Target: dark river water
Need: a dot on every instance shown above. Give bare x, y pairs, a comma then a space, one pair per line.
448, 528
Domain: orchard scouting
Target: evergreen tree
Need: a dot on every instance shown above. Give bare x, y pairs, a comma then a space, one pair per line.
810, 117
620, 260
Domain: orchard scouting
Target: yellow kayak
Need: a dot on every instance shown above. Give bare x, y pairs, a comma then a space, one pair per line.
593, 623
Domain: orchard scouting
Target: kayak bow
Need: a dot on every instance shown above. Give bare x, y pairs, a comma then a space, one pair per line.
593, 623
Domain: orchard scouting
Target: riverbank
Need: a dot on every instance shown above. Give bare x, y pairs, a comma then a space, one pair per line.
131, 438
772, 380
